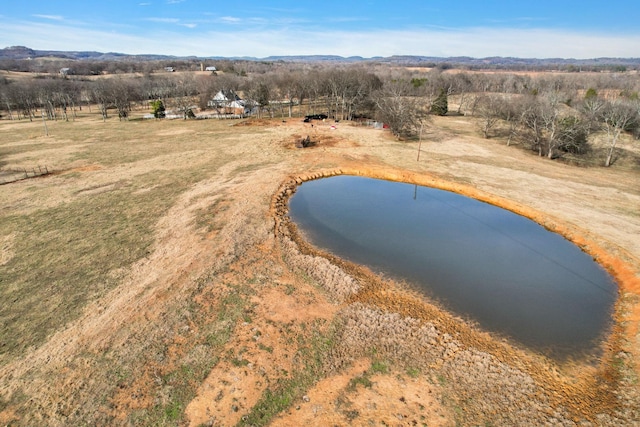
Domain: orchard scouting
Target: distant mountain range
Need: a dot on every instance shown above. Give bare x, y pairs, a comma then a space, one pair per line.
22, 52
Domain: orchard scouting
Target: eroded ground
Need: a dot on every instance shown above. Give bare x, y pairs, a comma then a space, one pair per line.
229, 319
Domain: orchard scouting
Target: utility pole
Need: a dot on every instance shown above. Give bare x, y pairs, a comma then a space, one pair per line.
46, 130
420, 140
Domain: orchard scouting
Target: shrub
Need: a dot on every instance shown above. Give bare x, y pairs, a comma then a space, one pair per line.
573, 135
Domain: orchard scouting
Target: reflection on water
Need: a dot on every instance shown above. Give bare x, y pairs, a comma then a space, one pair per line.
500, 269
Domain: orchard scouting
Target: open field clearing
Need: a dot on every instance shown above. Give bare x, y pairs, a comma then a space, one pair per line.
153, 279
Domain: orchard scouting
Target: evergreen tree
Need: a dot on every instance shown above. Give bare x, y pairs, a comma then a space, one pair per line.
441, 104
158, 109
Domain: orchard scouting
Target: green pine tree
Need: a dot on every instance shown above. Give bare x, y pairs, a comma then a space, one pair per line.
158, 109
441, 104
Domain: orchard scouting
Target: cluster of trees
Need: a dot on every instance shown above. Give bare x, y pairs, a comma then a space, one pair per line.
52, 66
552, 114
553, 125
23, 59
60, 98
343, 92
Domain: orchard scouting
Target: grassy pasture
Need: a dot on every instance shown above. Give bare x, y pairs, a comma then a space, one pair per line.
141, 284
72, 237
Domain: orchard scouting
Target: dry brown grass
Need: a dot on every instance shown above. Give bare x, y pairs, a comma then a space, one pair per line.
152, 282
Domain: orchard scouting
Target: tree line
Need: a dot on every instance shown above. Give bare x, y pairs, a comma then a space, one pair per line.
120, 63
551, 113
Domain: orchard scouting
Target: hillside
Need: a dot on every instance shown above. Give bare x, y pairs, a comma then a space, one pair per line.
24, 53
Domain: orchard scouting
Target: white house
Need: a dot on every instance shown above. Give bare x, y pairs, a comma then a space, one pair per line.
227, 101
210, 69
224, 96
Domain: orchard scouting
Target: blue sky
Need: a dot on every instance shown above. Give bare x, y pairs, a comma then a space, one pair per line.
543, 29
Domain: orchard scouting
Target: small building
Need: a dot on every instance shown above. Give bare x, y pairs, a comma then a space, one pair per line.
224, 96
65, 71
227, 102
169, 69
213, 69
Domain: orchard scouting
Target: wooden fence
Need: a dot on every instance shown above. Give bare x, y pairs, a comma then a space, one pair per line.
8, 176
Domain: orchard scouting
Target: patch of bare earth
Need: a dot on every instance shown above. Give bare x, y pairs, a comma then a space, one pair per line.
353, 398
6, 247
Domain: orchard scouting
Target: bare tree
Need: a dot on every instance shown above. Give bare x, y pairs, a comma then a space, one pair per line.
512, 111
550, 116
288, 86
617, 117
27, 100
591, 107
317, 89
489, 110
183, 95
515, 84
100, 95
357, 97
206, 88
531, 119
7, 99
635, 102
402, 113
46, 93
122, 93
461, 85
572, 135
259, 94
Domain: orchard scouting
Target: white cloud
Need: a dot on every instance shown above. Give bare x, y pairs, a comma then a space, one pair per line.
163, 20
51, 17
474, 42
346, 19
172, 21
230, 19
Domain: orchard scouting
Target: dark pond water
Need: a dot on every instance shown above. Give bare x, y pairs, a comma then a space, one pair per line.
500, 269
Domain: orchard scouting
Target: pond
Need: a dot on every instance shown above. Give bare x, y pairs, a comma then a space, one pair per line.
487, 264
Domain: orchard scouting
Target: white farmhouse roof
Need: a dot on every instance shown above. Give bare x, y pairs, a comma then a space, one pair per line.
226, 95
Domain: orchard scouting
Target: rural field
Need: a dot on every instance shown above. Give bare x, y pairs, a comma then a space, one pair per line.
153, 278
